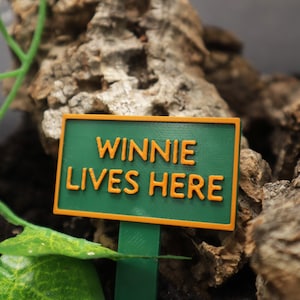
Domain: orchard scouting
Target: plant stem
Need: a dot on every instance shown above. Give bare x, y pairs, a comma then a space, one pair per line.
12, 43
13, 73
26, 59
38, 32
12, 94
9, 216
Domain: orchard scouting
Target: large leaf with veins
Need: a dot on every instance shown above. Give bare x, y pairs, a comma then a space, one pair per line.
38, 241
48, 277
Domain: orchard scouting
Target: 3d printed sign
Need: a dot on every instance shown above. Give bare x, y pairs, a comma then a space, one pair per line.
159, 170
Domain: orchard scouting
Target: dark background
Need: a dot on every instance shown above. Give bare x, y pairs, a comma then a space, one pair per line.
269, 30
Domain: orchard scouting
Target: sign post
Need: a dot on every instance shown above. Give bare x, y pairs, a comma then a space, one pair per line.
136, 278
146, 172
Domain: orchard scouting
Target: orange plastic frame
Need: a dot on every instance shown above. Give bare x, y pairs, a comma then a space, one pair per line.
154, 220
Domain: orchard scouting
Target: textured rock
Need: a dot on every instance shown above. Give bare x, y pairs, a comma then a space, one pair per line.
236, 80
280, 108
218, 255
268, 105
127, 58
274, 242
254, 172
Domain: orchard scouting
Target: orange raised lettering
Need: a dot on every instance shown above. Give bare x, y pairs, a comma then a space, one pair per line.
113, 180
185, 152
165, 154
97, 182
176, 185
107, 147
132, 182
124, 146
83, 179
213, 187
175, 152
134, 147
69, 185
195, 184
162, 184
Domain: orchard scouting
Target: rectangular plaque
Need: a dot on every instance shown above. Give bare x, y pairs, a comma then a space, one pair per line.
160, 170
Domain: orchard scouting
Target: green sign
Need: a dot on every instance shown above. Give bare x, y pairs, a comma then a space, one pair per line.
159, 170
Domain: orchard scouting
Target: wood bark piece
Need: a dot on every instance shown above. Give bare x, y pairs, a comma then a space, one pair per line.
218, 255
274, 242
280, 108
129, 59
235, 79
269, 105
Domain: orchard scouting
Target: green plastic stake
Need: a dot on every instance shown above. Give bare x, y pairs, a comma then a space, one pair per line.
137, 279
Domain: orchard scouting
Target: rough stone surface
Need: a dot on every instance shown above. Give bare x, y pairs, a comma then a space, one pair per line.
280, 108
218, 255
127, 58
268, 105
274, 242
236, 80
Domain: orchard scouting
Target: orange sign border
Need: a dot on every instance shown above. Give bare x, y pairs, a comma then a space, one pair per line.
153, 220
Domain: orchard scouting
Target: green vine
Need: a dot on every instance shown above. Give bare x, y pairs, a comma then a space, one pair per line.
25, 58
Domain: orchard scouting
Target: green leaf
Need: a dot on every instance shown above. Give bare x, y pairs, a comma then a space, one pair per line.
38, 241
48, 277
